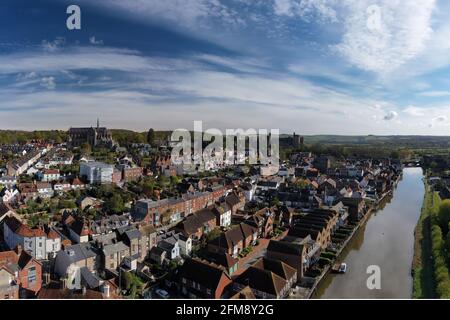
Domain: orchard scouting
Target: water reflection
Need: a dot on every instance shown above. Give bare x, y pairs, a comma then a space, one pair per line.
386, 240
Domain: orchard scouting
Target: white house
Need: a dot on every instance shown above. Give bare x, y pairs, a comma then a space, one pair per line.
49, 175
223, 214
170, 243
44, 189
52, 243
32, 240
62, 186
9, 195
8, 181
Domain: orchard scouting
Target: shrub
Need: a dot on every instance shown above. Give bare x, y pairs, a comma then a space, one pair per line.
440, 268
328, 255
324, 261
444, 215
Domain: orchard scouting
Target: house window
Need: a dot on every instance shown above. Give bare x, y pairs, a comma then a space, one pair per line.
31, 274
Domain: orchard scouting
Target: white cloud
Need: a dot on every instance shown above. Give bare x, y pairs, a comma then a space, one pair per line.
100, 58
414, 111
390, 115
382, 45
94, 41
305, 9
53, 46
27, 75
440, 119
435, 94
48, 82
175, 92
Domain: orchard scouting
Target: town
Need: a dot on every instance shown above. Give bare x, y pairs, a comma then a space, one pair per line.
85, 216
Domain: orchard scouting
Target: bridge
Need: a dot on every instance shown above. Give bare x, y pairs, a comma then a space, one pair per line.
412, 163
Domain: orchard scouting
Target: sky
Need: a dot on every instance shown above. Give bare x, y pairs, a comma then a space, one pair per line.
347, 67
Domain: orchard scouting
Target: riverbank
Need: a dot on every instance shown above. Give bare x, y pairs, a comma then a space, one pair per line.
422, 265
373, 207
384, 238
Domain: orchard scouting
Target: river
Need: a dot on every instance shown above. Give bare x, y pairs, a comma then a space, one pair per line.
386, 240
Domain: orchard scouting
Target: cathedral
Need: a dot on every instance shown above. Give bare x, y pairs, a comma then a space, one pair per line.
94, 136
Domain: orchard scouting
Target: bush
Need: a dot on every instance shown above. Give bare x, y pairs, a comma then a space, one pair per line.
126, 280
444, 215
328, 255
440, 268
324, 261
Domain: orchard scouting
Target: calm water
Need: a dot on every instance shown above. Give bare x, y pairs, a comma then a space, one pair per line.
387, 240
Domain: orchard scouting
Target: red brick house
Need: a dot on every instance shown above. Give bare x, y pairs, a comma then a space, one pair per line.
202, 279
27, 271
234, 240
149, 212
198, 224
235, 201
131, 174
263, 221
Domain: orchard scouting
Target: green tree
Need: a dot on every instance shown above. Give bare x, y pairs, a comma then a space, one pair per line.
86, 149
114, 204
126, 280
151, 137
213, 234
444, 215
275, 202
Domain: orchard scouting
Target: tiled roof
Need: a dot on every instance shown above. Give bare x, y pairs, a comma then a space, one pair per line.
262, 280
23, 230
201, 272
278, 267
285, 247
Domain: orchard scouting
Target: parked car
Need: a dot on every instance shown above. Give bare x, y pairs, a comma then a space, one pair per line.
162, 293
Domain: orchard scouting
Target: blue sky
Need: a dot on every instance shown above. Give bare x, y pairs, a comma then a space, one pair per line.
309, 66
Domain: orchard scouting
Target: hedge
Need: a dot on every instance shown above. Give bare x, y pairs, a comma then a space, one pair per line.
440, 268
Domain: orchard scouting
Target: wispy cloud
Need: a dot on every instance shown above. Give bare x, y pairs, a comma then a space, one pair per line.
53, 45
306, 9
434, 94
93, 40
390, 115
48, 82
382, 35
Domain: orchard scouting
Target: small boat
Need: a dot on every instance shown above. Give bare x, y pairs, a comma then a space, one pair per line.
339, 268
342, 268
